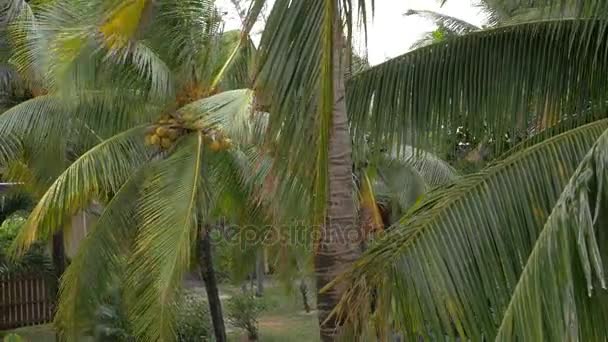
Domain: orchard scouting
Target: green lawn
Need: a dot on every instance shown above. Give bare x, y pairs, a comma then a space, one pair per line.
284, 319
39, 333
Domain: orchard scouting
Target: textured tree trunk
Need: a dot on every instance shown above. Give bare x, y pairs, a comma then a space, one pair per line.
340, 240
259, 272
213, 294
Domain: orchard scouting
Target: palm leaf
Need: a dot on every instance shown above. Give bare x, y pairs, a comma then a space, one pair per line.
231, 112
570, 302
450, 266
296, 55
168, 210
403, 177
484, 82
100, 258
11, 149
94, 176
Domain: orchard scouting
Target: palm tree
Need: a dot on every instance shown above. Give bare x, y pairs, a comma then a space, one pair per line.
448, 27
516, 251
302, 82
104, 77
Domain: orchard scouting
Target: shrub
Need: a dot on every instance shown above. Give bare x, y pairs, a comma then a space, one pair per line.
111, 322
193, 323
35, 260
243, 312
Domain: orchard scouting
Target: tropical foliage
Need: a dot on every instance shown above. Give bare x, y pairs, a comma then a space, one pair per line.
517, 250
172, 125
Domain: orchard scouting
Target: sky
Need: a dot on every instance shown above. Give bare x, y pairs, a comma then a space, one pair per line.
390, 33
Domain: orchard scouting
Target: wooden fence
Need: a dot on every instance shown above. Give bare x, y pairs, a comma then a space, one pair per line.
25, 300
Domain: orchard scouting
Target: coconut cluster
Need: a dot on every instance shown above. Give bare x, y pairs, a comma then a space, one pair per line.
165, 132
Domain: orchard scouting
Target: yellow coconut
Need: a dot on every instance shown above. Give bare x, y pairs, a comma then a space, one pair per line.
161, 131
215, 146
165, 143
154, 139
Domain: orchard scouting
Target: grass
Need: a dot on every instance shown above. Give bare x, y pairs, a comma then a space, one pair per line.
38, 333
284, 319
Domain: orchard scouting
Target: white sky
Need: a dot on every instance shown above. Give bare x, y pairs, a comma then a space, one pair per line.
391, 33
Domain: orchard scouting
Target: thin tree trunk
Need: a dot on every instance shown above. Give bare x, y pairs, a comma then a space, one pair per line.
259, 273
213, 295
58, 255
304, 292
59, 264
340, 240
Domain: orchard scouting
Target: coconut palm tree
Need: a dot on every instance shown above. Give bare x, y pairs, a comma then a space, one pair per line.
302, 74
101, 76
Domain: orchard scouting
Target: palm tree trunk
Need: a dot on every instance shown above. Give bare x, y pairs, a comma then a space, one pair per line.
59, 264
259, 272
58, 255
339, 243
213, 294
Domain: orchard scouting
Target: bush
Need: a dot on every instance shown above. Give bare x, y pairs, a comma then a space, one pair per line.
243, 312
193, 323
111, 322
35, 260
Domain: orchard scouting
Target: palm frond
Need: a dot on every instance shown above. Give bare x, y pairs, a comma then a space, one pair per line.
404, 177
52, 127
428, 38
100, 259
295, 80
484, 82
94, 176
168, 210
231, 112
11, 150
9, 10
570, 302
450, 266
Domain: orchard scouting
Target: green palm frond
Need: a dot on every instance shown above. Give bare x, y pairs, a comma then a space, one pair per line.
169, 212
450, 266
9, 10
404, 177
54, 128
237, 69
100, 259
569, 302
484, 82
96, 175
231, 112
11, 150
296, 55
